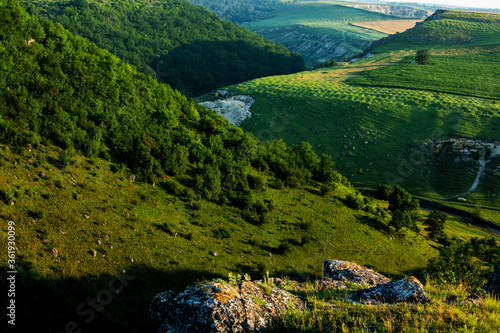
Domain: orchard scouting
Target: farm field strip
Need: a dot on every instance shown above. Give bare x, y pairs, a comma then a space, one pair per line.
388, 26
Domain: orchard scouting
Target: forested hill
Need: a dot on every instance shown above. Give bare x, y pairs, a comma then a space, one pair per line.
61, 89
179, 43
239, 11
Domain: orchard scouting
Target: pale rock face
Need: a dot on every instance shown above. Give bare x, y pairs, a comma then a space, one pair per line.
221, 307
347, 271
395, 10
235, 109
407, 290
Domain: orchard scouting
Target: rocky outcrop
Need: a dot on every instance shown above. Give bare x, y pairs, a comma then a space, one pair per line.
347, 271
221, 307
235, 109
313, 47
493, 285
408, 290
395, 10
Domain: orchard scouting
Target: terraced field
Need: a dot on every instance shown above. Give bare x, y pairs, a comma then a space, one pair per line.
381, 117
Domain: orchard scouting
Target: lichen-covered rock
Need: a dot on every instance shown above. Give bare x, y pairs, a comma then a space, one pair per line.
493, 285
221, 307
407, 290
347, 271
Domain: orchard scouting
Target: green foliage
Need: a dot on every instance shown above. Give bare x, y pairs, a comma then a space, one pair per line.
405, 209
423, 57
239, 11
355, 201
384, 191
236, 279
435, 224
177, 43
467, 263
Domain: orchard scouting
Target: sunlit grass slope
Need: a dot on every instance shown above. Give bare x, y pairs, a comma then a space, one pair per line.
80, 225
378, 115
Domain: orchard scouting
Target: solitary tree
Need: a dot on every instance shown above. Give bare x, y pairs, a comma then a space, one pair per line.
435, 224
404, 208
423, 57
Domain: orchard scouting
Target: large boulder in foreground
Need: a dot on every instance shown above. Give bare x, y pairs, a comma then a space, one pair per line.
407, 290
493, 285
221, 307
347, 271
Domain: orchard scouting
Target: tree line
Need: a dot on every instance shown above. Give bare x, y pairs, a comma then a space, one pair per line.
174, 41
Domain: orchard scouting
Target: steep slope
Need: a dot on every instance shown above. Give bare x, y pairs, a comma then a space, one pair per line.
383, 119
239, 11
320, 30
93, 246
181, 44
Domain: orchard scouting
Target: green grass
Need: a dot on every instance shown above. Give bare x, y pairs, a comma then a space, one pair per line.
165, 242
329, 311
470, 74
381, 125
382, 132
320, 18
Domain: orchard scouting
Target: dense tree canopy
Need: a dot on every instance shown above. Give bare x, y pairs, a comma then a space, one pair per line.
181, 44
239, 11
57, 88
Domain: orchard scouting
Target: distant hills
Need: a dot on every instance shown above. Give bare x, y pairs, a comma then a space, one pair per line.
174, 41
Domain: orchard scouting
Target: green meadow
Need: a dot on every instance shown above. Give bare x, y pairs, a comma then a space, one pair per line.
81, 224
378, 116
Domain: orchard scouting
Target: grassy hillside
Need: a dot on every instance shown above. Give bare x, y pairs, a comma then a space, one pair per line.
174, 41
313, 20
381, 117
81, 225
93, 246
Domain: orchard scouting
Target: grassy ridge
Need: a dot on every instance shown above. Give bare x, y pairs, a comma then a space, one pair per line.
383, 132
471, 74
379, 125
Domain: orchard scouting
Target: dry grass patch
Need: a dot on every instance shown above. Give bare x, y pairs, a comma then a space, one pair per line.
388, 26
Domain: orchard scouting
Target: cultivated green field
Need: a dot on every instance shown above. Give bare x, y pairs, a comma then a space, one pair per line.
378, 116
321, 18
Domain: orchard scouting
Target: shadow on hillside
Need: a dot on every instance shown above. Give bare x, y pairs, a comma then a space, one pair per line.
48, 305
201, 66
374, 223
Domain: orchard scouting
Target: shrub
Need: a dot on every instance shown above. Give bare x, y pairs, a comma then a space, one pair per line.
173, 187
221, 233
256, 182
464, 263
435, 224
355, 201
423, 57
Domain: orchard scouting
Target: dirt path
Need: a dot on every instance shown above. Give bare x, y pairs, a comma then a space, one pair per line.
482, 167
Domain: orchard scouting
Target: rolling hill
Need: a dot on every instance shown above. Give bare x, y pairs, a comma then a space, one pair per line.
119, 187
174, 41
325, 30
382, 118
